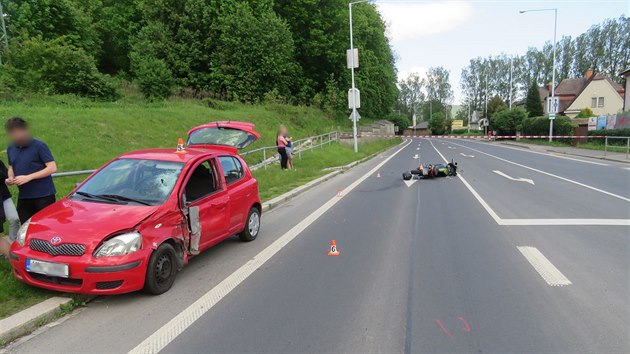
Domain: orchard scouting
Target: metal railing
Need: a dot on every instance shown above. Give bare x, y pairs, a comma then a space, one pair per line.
260, 157
616, 147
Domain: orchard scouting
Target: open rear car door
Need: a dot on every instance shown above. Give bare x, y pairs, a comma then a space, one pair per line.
233, 134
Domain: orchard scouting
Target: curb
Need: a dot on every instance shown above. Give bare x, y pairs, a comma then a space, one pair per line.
570, 153
27, 320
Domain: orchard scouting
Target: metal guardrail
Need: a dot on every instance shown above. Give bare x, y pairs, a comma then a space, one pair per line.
260, 157
627, 145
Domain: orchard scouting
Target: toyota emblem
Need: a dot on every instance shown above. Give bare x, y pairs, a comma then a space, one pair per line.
55, 240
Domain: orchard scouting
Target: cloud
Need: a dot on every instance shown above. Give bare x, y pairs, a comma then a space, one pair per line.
411, 20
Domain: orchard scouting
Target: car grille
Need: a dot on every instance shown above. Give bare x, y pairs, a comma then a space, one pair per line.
106, 285
66, 249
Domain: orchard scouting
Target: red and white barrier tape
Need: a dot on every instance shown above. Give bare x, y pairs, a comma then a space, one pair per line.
482, 136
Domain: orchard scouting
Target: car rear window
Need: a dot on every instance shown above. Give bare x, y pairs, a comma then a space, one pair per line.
232, 169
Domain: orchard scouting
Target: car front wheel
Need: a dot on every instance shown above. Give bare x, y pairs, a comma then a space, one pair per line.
252, 226
161, 270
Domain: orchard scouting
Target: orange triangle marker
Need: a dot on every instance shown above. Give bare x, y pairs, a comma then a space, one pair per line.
333, 249
378, 174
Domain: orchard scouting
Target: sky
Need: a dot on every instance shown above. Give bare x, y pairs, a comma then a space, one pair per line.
448, 33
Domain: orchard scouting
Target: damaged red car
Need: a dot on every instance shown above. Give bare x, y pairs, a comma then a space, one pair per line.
135, 222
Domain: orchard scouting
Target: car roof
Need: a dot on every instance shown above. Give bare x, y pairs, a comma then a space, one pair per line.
172, 156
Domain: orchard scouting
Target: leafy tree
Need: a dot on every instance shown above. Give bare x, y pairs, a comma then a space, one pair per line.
412, 94
533, 104
506, 121
438, 123
254, 54
117, 22
154, 78
59, 67
51, 19
495, 105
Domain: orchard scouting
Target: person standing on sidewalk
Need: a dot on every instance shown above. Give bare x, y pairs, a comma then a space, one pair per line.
7, 212
31, 165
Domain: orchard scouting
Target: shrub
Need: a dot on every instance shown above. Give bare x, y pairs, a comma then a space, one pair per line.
154, 78
56, 66
540, 126
610, 132
399, 120
506, 121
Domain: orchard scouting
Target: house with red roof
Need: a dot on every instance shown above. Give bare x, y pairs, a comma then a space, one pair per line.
595, 91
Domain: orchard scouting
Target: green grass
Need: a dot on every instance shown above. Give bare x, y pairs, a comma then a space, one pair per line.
83, 135
563, 143
15, 295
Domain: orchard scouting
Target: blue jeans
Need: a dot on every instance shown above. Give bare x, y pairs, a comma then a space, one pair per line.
10, 212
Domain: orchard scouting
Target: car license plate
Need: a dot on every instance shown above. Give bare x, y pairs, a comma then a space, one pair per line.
47, 268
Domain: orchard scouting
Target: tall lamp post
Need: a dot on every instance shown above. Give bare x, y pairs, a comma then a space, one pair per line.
553, 69
352, 65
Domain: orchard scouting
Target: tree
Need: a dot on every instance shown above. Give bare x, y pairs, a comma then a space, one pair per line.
495, 105
412, 94
254, 54
506, 121
533, 104
438, 123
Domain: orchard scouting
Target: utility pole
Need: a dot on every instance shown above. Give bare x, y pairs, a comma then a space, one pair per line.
511, 69
4, 38
355, 114
553, 69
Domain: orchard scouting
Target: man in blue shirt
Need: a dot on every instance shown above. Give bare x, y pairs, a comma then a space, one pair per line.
31, 165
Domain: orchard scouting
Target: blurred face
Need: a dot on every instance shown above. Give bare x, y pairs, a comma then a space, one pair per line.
283, 130
19, 136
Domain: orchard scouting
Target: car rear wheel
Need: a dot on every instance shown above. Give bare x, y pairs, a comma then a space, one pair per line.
252, 226
161, 270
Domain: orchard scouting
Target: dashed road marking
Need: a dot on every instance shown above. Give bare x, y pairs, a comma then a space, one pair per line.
543, 266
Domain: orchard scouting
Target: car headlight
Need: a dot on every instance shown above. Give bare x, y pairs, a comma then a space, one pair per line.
120, 245
21, 236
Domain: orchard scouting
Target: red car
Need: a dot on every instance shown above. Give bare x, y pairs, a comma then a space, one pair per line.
135, 222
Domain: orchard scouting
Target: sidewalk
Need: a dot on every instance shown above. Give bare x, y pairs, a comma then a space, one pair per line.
594, 154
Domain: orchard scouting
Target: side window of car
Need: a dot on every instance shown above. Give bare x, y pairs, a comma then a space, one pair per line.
232, 169
202, 182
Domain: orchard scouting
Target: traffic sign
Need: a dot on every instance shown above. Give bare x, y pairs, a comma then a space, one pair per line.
352, 58
554, 103
552, 116
354, 101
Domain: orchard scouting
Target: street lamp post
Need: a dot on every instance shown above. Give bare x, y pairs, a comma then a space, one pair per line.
352, 65
553, 68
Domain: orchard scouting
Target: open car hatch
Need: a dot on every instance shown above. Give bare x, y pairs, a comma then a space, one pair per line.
234, 134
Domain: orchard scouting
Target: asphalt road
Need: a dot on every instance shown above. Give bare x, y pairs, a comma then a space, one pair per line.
524, 252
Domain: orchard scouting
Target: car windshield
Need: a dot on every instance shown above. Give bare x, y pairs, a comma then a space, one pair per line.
132, 181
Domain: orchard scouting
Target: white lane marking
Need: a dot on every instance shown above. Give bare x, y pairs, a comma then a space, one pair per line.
546, 154
415, 157
627, 168
541, 264
167, 333
410, 182
461, 153
534, 222
550, 174
565, 222
520, 179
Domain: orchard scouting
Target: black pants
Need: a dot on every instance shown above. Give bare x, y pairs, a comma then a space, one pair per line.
28, 207
283, 157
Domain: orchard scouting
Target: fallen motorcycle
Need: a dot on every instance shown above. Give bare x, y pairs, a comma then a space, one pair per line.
432, 170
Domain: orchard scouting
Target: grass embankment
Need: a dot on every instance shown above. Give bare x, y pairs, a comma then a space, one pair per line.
84, 135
